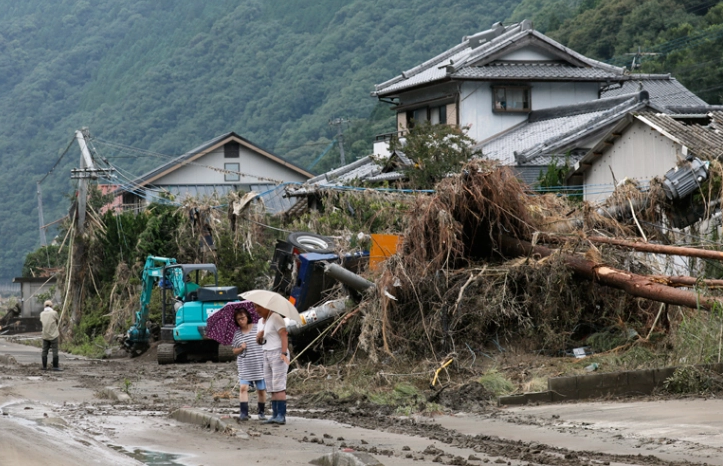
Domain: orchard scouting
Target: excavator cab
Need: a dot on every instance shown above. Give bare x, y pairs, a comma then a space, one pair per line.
186, 306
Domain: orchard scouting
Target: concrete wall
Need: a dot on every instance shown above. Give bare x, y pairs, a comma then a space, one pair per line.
30, 288
628, 383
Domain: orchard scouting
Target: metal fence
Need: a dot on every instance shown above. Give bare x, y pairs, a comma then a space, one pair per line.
7, 287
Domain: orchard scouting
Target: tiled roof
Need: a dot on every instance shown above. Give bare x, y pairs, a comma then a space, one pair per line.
366, 169
703, 140
537, 71
475, 57
664, 90
565, 128
358, 169
437, 71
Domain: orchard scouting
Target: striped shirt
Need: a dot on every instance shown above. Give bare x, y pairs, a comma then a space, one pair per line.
250, 362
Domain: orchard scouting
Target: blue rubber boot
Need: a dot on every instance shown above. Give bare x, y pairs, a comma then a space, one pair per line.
262, 408
274, 412
243, 411
281, 418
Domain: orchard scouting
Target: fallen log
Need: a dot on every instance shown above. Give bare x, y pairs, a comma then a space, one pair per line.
659, 248
636, 285
683, 281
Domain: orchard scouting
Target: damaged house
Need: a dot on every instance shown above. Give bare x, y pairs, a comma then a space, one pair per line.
226, 163
528, 100
646, 144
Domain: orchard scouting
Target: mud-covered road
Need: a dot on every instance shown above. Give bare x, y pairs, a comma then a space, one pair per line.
116, 412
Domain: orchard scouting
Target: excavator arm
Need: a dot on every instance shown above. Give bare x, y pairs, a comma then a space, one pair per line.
138, 336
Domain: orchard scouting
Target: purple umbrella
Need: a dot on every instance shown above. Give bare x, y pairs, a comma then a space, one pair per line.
221, 325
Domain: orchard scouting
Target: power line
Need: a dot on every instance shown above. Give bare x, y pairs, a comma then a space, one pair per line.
58, 161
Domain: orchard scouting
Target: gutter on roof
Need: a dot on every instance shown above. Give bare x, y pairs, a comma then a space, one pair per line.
437, 100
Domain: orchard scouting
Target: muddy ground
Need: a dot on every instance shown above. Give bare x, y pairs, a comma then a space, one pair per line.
116, 411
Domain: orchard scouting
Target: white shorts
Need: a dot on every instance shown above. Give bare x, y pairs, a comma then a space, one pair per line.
275, 370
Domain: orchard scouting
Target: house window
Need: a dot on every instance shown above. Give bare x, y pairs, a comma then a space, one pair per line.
438, 115
434, 115
511, 99
419, 115
231, 150
232, 170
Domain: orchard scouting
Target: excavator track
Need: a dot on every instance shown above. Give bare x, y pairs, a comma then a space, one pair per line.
166, 353
225, 353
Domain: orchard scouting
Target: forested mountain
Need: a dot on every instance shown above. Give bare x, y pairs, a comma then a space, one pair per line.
164, 76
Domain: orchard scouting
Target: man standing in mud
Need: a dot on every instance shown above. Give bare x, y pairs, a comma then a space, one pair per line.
49, 318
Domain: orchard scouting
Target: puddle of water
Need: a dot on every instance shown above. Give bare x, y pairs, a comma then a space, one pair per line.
149, 457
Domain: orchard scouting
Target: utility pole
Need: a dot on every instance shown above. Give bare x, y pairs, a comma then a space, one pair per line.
339, 122
87, 171
78, 273
638, 56
43, 240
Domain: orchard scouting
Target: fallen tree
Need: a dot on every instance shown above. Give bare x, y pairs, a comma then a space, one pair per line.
659, 248
636, 285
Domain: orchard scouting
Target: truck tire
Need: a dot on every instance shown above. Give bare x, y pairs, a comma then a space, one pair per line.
311, 242
225, 353
166, 353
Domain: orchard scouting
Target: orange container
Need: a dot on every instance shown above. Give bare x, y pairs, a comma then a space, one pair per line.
383, 247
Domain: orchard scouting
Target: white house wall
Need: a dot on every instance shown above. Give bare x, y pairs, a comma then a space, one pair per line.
528, 54
475, 108
640, 153
256, 167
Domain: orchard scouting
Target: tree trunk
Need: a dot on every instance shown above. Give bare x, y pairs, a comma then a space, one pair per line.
633, 284
680, 281
660, 248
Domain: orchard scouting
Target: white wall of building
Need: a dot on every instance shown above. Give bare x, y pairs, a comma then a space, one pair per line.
256, 167
529, 54
638, 153
476, 104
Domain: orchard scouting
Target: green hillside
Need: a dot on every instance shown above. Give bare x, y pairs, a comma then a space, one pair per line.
165, 76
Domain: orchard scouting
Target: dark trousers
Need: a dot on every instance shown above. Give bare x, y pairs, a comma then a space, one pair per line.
47, 345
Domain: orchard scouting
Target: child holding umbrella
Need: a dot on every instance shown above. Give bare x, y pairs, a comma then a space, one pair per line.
250, 359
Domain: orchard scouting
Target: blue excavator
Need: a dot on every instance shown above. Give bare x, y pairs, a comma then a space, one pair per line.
184, 310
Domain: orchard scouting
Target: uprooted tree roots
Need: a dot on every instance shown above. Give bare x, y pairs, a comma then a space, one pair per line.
454, 289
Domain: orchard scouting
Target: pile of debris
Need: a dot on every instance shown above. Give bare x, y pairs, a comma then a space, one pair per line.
485, 261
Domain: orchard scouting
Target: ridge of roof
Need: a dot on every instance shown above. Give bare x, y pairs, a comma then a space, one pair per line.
501, 41
467, 42
485, 44
585, 107
505, 40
